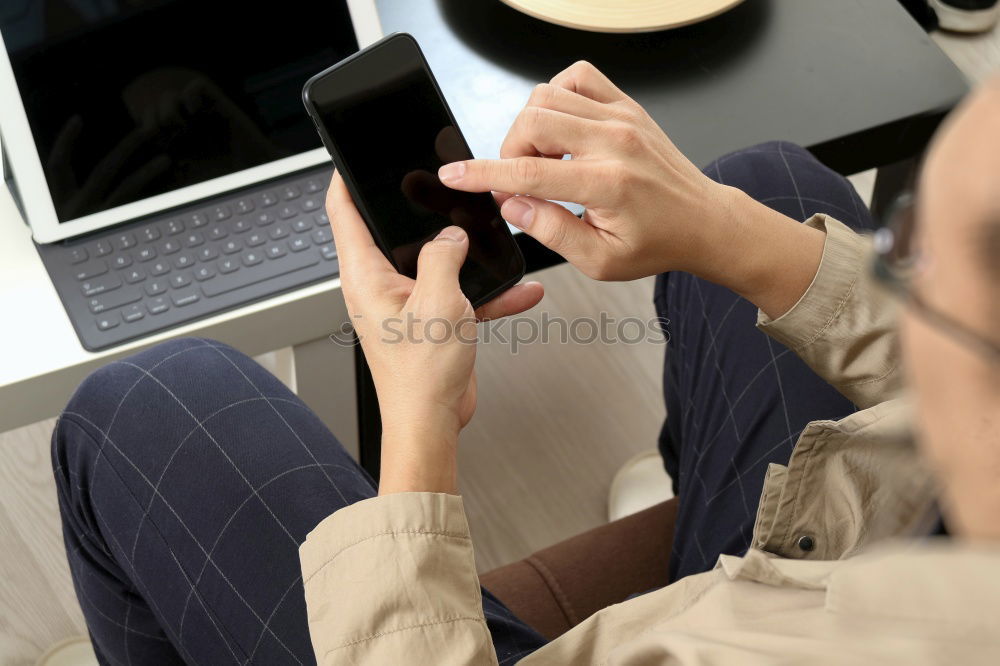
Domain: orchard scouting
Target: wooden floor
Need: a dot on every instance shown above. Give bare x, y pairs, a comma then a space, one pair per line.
554, 424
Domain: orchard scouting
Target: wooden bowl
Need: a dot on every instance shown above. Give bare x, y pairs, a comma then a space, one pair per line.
623, 15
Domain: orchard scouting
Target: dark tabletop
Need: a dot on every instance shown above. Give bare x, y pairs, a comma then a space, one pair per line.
856, 81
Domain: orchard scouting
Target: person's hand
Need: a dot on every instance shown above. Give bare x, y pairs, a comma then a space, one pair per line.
648, 208
419, 339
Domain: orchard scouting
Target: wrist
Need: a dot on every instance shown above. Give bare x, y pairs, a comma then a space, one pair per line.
419, 454
764, 256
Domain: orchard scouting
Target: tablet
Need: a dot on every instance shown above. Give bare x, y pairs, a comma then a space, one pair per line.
114, 111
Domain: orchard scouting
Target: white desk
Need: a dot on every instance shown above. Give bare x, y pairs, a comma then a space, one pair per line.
42, 361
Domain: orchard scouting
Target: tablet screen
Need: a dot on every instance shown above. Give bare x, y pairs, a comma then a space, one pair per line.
127, 99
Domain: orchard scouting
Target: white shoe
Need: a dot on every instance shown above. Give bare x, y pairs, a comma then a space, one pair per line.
966, 15
75, 651
639, 484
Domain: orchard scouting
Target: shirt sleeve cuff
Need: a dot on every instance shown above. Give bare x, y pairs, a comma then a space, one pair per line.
844, 256
433, 514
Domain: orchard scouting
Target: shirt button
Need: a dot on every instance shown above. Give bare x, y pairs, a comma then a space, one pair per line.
807, 543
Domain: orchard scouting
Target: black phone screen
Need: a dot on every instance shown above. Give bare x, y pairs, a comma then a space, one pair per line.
389, 131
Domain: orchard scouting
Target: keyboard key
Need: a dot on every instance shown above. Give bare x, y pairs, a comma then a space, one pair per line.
298, 244
311, 204
159, 268
178, 280
321, 236
108, 322
182, 298
240, 225
207, 253
229, 265
195, 220
218, 232
93, 269
275, 251
77, 255
146, 253
134, 275
301, 224
220, 213
125, 241
231, 246
184, 260
194, 240
321, 219
256, 238
114, 299
149, 234
290, 192
279, 231
315, 185
287, 212
100, 285
170, 246
328, 252
175, 227
157, 305
102, 247
203, 273
252, 257
133, 313
272, 269
156, 287
268, 199
121, 261
263, 219
244, 206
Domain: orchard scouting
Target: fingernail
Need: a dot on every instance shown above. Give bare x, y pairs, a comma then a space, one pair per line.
452, 173
518, 212
456, 234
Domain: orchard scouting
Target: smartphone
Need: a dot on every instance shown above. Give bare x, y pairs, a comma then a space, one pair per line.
382, 117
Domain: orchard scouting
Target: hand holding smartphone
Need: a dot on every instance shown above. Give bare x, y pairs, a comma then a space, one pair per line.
382, 117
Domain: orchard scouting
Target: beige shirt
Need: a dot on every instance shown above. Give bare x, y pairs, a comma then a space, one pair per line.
392, 580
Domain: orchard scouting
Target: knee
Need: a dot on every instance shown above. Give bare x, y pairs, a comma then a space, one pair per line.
155, 395
747, 164
98, 398
115, 379
157, 375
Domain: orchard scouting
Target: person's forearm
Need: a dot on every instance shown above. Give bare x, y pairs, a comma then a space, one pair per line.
762, 255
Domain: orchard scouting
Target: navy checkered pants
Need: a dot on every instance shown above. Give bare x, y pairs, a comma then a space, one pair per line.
188, 476
736, 399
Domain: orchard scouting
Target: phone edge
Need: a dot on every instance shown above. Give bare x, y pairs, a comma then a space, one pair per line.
341, 166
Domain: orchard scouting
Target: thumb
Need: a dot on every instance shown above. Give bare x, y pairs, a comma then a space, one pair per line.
440, 261
553, 226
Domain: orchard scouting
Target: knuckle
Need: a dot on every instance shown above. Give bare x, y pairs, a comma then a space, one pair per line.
626, 110
626, 137
543, 95
583, 67
527, 172
531, 117
556, 236
433, 249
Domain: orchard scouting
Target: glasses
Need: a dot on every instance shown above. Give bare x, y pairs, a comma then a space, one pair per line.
896, 258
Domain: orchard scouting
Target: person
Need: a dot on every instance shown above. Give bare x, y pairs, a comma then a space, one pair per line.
211, 518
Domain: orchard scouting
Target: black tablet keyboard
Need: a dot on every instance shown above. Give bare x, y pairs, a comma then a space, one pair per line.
165, 270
